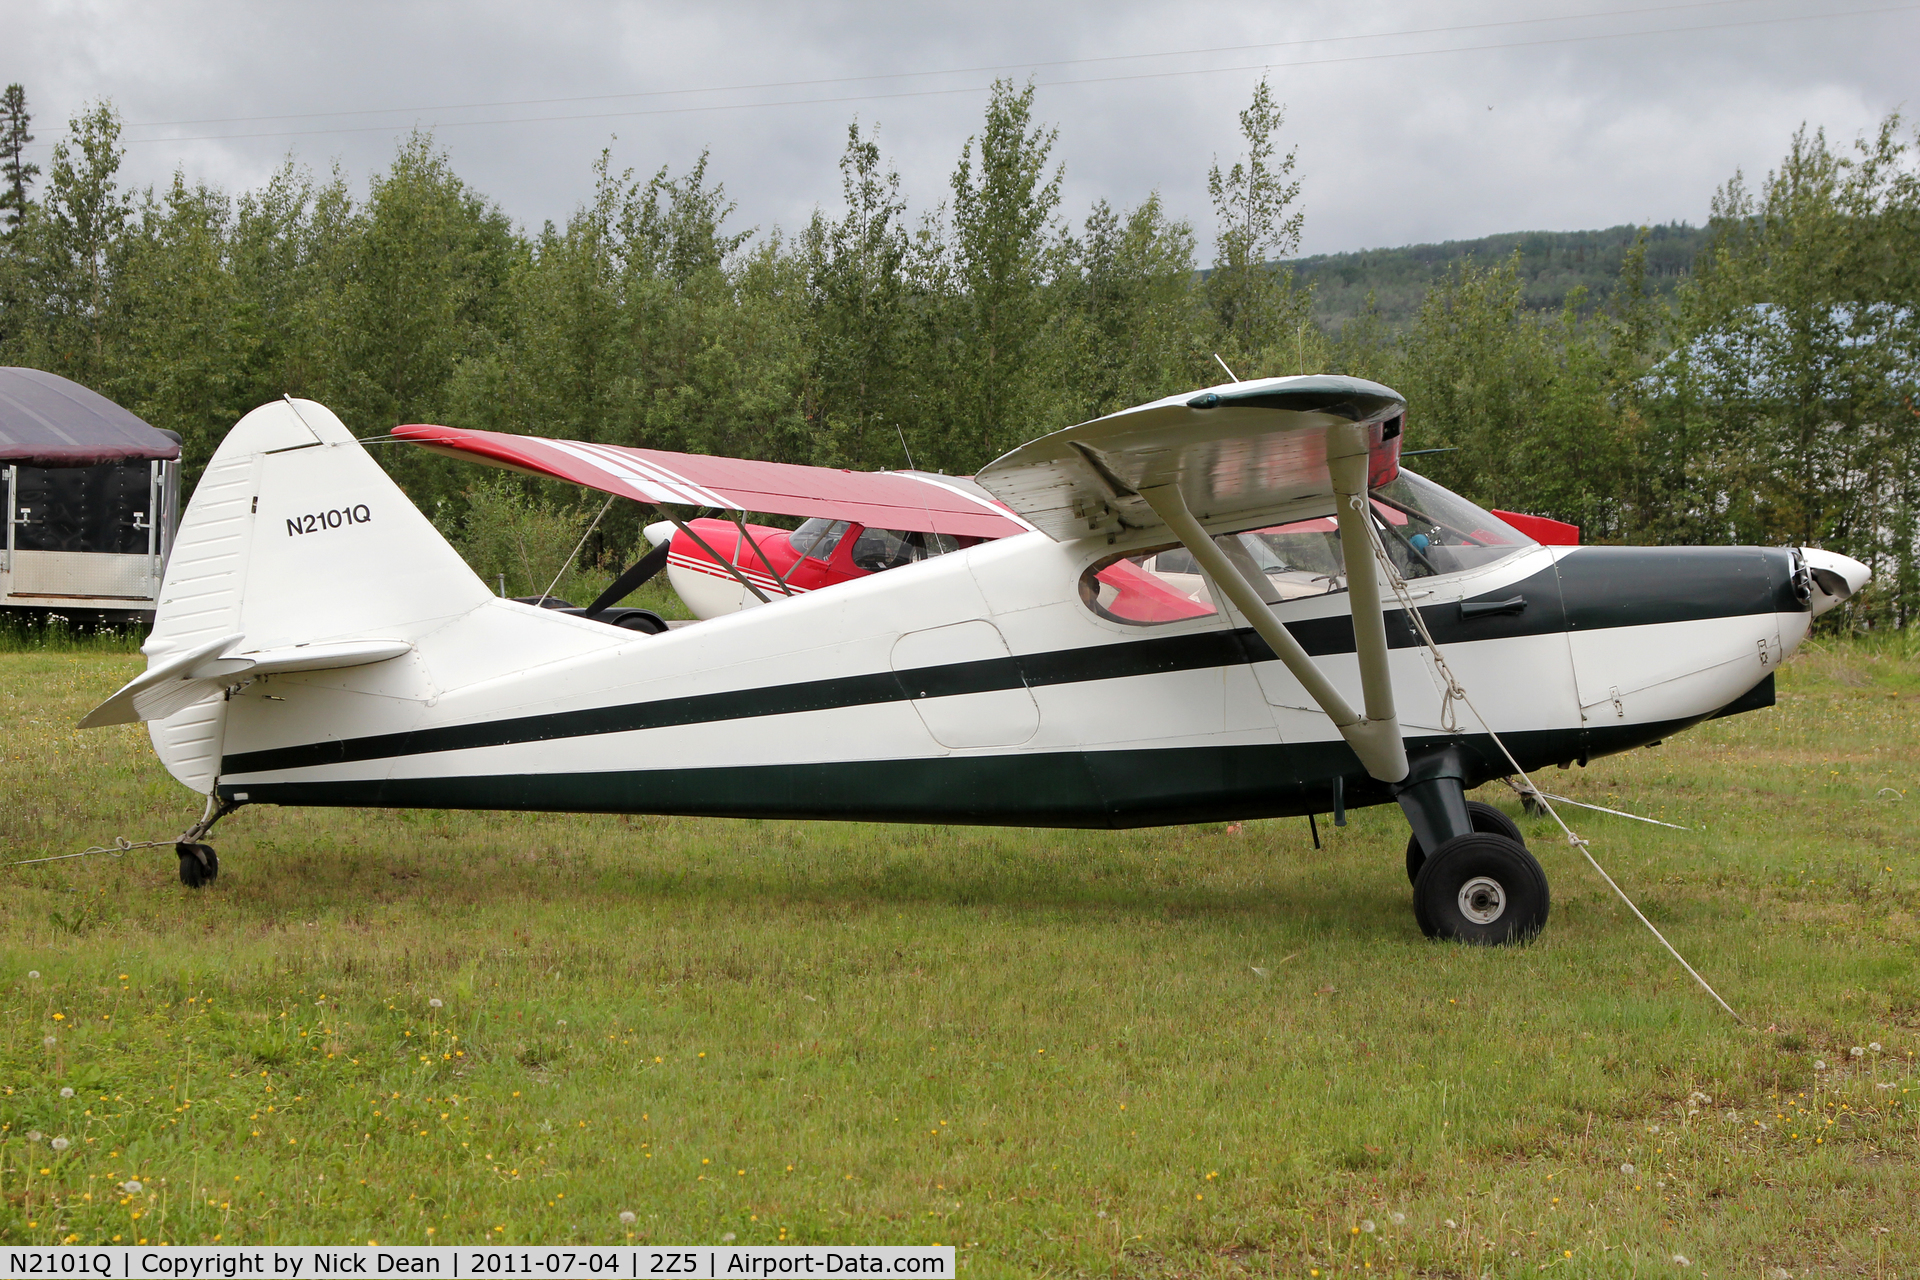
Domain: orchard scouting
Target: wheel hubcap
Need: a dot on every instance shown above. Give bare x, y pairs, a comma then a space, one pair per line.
1482, 900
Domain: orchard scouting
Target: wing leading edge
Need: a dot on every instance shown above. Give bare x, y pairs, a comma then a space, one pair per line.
1253, 451
910, 501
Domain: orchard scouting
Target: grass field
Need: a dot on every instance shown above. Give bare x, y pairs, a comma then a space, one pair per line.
1189, 1051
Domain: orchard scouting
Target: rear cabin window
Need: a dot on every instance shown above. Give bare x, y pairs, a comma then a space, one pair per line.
1425, 529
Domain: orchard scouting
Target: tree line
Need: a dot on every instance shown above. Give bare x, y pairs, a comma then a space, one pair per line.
1768, 399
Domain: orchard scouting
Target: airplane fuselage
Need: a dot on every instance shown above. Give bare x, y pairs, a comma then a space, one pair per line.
978, 687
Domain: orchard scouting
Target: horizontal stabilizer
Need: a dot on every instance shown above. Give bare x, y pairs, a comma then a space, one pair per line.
1246, 451
176, 681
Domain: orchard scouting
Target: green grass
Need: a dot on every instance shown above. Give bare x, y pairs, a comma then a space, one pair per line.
1189, 1051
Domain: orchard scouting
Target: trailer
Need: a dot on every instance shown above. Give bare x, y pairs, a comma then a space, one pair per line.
92, 499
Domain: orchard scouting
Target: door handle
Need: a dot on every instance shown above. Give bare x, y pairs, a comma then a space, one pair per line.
1470, 609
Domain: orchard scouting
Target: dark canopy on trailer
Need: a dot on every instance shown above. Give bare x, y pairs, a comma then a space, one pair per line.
50, 421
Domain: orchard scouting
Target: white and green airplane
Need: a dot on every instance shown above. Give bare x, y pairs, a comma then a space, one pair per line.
1193, 610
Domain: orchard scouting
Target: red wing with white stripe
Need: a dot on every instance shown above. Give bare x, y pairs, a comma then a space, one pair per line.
908, 501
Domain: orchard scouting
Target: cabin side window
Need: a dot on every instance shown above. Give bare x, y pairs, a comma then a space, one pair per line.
876, 550
1426, 531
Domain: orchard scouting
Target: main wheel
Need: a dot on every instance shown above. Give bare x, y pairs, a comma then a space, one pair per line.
1485, 817
1481, 888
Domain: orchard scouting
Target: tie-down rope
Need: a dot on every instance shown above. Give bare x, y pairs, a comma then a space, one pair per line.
1455, 692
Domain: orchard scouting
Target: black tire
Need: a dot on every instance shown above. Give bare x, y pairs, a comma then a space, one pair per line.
199, 864
1481, 888
1486, 819
643, 620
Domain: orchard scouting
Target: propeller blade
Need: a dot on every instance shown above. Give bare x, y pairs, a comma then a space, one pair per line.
642, 571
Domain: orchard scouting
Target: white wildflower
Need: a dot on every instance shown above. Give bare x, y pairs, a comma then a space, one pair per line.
35, 1136
66, 1093
1366, 1225
60, 1144
1398, 1219
1628, 1169
434, 1003
627, 1216
728, 1238
1874, 1045
1680, 1260
1857, 1052
1819, 1064
51, 1041
132, 1187
33, 973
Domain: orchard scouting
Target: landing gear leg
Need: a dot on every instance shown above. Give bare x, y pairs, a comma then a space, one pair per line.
1434, 797
1475, 881
199, 864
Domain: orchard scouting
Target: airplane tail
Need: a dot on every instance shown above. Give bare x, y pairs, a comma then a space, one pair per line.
297, 553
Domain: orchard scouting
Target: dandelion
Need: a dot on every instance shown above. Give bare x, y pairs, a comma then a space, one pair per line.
435, 1003
33, 973
1681, 1260
561, 1023
60, 1144
35, 1136
1874, 1045
1366, 1225
1398, 1219
132, 1187
1628, 1169
50, 1041
727, 1238
627, 1216
1819, 1064
1451, 1225
66, 1093
1857, 1052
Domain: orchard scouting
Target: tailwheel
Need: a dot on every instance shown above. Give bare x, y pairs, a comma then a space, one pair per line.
1482, 888
1486, 819
199, 864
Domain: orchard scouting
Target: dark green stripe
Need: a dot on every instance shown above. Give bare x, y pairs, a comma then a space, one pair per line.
1135, 788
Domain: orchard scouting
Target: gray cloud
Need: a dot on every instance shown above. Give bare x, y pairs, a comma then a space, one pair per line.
1556, 130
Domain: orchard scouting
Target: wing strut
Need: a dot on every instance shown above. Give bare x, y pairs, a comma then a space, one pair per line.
1374, 737
717, 558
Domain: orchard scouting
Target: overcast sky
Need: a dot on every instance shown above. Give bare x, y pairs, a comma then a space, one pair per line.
1415, 120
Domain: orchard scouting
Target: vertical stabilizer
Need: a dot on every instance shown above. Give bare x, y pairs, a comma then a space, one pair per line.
294, 536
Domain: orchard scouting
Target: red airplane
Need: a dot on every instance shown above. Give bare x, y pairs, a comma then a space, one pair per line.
855, 524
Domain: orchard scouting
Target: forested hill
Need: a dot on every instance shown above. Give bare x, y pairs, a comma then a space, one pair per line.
1552, 265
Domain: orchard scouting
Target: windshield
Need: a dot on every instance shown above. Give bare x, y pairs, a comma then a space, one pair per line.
818, 537
1429, 530
1425, 529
